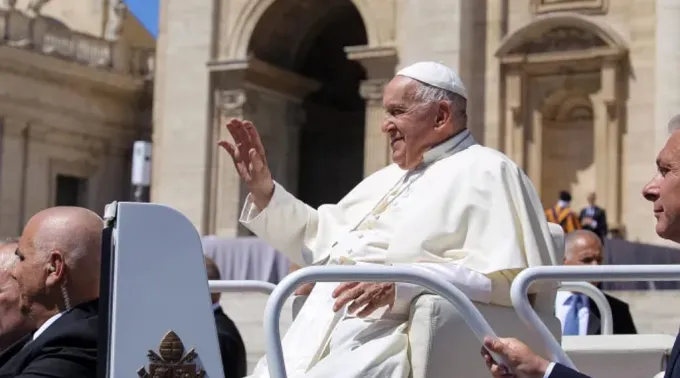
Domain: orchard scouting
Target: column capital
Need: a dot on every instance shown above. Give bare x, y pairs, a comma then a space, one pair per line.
230, 100
257, 73
14, 127
379, 62
372, 91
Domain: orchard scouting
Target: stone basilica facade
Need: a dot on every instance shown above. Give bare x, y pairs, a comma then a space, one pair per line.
577, 92
75, 94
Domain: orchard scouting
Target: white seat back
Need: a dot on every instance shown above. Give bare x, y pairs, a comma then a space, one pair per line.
615, 356
156, 302
443, 346
441, 342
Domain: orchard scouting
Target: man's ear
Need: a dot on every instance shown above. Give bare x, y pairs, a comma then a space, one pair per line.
444, 114
55, 268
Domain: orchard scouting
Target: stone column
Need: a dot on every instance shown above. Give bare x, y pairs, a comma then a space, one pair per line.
13, 161
227, 187
376, 143
600, 130
379, 64
535, 159
270, 97
607, 111
514, 118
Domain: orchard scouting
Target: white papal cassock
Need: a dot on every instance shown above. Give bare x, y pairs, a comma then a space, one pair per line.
467, 214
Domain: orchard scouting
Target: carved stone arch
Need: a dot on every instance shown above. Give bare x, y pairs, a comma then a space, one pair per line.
566, 105
560, 33
582, 65
252, 13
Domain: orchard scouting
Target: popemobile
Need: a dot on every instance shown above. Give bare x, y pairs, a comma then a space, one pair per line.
156, 318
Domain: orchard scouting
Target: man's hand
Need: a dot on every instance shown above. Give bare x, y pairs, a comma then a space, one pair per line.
372, 295
250, 160
587, 221
523, 362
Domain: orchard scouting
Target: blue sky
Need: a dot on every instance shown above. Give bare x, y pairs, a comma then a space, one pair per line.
147, 12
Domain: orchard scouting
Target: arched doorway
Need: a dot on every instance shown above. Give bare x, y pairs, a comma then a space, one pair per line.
562, 96
568, 147
307, 37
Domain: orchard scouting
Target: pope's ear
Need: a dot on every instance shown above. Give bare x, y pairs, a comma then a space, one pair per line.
444, 113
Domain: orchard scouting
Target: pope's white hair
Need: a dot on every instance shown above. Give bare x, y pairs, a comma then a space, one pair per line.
427, 94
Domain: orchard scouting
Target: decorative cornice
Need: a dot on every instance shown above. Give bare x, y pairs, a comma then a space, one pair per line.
582, 6
236, 73
67, 73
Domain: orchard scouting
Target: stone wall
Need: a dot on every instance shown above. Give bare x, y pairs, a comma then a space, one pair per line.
70, 105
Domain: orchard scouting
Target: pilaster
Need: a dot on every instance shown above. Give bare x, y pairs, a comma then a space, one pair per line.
271, 98
13, 160
379, 64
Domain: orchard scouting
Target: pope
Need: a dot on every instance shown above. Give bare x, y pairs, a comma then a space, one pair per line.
447, 205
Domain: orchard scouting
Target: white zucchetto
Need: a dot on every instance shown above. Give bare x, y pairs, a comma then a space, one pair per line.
436, 75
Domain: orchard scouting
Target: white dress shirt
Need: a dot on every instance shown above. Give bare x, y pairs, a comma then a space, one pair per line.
590, 213
47, 324
562, 309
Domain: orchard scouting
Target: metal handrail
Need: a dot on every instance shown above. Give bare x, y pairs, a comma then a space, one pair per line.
521, 283
597, 296
287, 286
221, 286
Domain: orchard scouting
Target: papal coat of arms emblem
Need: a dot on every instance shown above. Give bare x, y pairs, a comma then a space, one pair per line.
171, 361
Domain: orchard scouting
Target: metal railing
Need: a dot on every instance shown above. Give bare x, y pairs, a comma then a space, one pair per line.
253, 286
596, 295
287, 286
520, 286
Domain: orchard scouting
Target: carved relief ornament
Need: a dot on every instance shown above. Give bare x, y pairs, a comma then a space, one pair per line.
560, 39
171, 361
231, 103
372, 91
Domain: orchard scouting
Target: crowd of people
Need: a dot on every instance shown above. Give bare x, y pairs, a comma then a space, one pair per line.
447, 206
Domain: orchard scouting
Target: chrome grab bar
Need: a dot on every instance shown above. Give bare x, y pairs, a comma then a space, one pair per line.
521, 283
221, 286
287, 286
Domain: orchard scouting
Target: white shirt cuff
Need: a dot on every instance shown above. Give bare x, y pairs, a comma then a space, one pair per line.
404, 294
549, 370
251, 213
593, 223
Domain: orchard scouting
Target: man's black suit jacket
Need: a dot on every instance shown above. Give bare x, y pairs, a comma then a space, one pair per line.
672, 369
673, 366
232, 349
599, 216
561, 371
66, 349
623, 321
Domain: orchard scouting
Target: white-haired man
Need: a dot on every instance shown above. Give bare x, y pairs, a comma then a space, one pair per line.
663, 191
13, 323
448, 206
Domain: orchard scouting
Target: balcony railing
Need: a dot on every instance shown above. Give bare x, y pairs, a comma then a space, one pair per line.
47, 36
